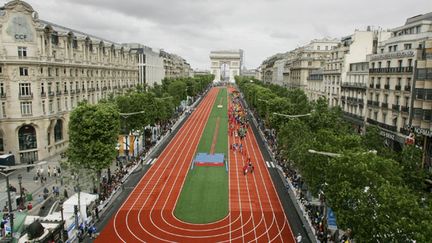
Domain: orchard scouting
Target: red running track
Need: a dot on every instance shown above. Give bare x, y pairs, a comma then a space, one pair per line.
147, 215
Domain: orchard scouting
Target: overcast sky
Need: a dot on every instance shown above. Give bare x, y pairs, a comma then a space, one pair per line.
193, 28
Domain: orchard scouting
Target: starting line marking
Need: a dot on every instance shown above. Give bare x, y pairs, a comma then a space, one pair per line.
272, 164
154, 161
268, 164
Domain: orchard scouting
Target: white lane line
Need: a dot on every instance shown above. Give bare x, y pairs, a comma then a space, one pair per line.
268, 165
273, 165
149, 161
185, 129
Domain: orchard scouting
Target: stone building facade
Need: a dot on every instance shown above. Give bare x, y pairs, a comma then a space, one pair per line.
175, 66
393, 101
45, 71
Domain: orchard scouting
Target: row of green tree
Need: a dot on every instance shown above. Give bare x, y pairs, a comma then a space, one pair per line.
159, 101
380, 196
94, 128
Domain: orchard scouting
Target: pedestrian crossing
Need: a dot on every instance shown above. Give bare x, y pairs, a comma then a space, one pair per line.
151, 161
270, 164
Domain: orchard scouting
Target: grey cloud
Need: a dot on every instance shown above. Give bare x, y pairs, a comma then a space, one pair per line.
162, 11
283, 35
192, 28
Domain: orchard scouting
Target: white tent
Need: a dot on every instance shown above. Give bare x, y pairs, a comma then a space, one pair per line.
85, 200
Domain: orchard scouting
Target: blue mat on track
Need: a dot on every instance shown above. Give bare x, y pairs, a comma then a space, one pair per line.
209, 158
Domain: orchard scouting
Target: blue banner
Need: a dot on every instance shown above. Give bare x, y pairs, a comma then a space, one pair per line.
331, 219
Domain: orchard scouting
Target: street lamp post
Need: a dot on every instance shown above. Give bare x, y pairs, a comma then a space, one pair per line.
78, 210
333, 155
292, 116
20, 187
11, 216
7, 171
62, 220
136, 138
324, 153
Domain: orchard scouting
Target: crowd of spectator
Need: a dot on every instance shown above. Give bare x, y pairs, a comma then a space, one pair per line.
313, 211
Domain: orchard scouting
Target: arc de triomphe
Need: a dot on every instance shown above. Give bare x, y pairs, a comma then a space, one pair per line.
226, 64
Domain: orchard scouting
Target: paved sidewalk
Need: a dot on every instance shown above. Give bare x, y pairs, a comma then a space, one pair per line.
28, 183
36, 187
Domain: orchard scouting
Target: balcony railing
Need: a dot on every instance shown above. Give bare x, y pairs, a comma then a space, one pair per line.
369, 102
391, 70
387, 86
375, 103
405, 109
385, 105
58, 92
407, 88
383, 125
25, 96
378, 86
397, 87
43, 94
3, 95
72, 91
371, 86
404, 131
50, 93
355, 116
395, 107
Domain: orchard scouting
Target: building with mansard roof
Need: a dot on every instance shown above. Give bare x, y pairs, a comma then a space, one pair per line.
45, 71
399, 96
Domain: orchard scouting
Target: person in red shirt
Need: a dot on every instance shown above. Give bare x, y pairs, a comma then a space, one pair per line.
29, 206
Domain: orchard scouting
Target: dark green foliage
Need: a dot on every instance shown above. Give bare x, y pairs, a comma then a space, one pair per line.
380, 197
93, 131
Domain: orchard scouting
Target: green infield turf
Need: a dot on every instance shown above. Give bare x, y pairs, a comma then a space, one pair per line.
204, 197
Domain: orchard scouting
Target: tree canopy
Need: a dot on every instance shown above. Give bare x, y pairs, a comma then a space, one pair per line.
380, 197
93, 131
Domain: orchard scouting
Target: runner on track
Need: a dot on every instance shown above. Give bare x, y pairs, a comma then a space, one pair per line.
245, 169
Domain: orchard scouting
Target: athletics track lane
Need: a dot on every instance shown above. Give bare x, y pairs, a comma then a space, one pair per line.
147, 214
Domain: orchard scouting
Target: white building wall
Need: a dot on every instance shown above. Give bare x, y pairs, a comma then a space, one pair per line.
278, 71
154, 67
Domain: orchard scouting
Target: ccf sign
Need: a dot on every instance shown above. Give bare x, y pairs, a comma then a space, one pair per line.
20, 37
